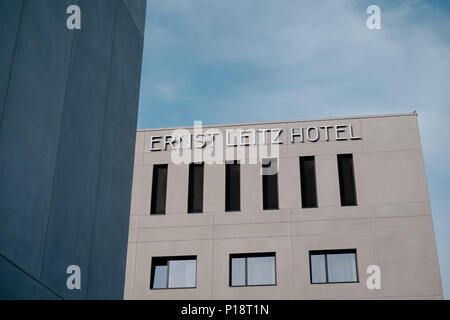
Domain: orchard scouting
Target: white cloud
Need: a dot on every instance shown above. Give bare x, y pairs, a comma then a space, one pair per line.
168, 91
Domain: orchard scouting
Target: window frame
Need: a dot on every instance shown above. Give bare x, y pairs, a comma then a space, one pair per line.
155, 262
332, 251
251, 255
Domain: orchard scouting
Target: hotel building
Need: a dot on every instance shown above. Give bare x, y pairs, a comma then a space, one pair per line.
316, 209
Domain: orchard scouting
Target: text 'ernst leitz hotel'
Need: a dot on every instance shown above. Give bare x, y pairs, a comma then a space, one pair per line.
320, 209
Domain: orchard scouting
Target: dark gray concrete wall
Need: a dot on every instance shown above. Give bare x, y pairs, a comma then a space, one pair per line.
68, 113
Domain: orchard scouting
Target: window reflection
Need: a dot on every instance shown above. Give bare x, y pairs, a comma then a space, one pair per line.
238, 272
318, 269
160, 277
182, 273
341, 267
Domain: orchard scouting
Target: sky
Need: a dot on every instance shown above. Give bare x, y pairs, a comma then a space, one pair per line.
241, 61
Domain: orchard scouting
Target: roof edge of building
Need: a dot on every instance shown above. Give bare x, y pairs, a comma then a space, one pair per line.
285, 121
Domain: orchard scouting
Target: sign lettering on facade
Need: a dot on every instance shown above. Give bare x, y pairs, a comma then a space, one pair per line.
200, 139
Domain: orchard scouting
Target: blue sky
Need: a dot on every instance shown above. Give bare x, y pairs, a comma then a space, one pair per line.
263, 60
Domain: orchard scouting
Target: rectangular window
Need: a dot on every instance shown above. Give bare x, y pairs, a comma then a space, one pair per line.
254, 269
308, 182
333, 266
195, 197
232, 186
173, 272
346, 179
159, 189
270, 184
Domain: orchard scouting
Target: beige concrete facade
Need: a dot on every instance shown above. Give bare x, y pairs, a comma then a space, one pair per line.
391, 226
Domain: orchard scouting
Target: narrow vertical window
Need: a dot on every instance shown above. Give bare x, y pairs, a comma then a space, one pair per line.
232, 186
308, 182
270, 184
159, 189
195, 196
346, 179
